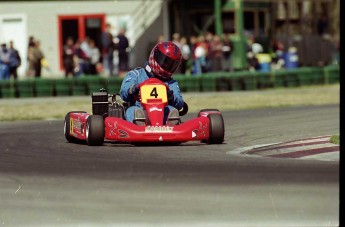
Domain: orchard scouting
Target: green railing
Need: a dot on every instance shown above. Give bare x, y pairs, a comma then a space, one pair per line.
219, 81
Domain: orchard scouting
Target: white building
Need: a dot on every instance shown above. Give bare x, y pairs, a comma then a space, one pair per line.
52, 22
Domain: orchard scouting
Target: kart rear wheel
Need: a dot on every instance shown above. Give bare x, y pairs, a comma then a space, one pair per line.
216, 129
67, 128
95, 130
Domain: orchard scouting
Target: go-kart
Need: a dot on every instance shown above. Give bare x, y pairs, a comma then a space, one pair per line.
108, 123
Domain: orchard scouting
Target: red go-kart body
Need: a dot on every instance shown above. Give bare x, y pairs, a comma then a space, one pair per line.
207, 127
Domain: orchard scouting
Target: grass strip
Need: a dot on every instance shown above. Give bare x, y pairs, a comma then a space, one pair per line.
57, 107
334, 139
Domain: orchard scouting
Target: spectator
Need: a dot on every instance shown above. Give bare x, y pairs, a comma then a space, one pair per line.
108, 48
122, 45
4, 61
185, 51
253, 62
176, 39
200, 64
192, 45
31, 58
31, 42
94, 57
227, 51
278, 59
160, 39
291, 58
208, 41
14, 61
216, 54
38, 56
80, 60
68, 57
85, 46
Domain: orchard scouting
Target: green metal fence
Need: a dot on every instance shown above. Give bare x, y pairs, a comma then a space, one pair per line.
219, 81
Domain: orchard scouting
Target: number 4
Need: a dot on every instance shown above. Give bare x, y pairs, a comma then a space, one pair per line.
154, 92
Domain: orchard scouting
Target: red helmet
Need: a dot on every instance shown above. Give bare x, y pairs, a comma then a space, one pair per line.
164, 59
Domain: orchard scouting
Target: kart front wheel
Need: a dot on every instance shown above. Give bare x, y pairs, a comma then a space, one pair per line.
95, 130
67, 128
216, 129
207, 110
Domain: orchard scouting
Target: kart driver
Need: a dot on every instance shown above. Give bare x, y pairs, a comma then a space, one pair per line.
163, 61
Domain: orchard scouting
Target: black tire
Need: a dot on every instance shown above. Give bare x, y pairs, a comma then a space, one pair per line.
95, 130
66, 128
207, 110
216, 128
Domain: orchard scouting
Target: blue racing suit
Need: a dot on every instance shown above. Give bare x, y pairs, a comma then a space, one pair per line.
137, 76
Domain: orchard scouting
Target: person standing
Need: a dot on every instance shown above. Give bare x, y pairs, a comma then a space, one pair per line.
14, 61
228, 48
216, 54
31, 58
4, 61
108, 48
186, 55
94, 57
123, 49
38, 56
68, 57
200, 52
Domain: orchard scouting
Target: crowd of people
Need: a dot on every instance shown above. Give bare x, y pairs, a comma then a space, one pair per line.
203, 53
9, 61
200, 54
118, 44
81, 57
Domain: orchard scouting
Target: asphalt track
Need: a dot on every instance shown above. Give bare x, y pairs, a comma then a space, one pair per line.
45, 181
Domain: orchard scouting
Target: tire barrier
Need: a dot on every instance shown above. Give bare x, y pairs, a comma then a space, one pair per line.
207, 82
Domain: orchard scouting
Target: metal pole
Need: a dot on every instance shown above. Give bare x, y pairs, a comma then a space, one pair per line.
240, 33
218, 16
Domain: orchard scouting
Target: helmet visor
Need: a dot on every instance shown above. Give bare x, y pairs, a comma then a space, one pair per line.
165, 62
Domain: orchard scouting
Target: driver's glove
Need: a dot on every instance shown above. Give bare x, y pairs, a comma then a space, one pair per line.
133, 90
170, 97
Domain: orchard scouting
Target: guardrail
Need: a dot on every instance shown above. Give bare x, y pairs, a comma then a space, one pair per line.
219, 81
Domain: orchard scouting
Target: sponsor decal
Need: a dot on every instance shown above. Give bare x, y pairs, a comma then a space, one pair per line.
202, 129
159, 129
112, 128
71, 127
160, 138
77, 127
154, 100
155, 109
194, 133
123, 134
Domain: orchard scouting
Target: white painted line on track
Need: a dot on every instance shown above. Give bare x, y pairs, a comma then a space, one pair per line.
285, 150
242, 150
332, 156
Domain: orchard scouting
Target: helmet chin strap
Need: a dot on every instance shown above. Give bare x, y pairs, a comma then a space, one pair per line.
152, 74
148, 68
149, 71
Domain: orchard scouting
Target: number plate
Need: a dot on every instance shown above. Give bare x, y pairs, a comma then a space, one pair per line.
153, 94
